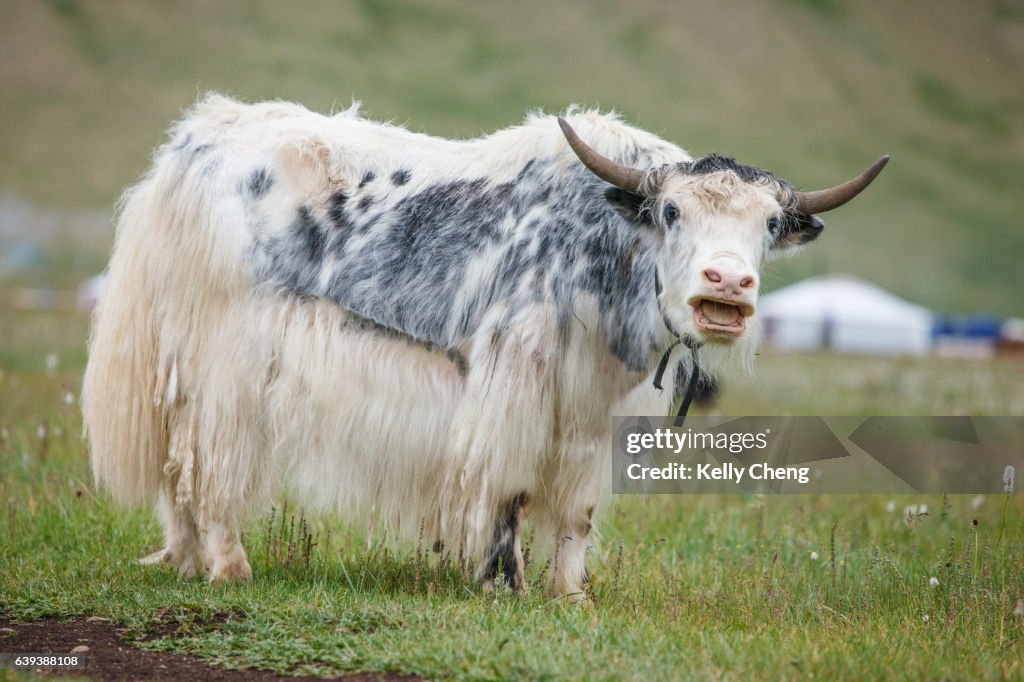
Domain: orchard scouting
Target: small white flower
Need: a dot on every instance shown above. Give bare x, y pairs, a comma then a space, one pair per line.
910, 511
977, 501
4, 434
924, 618
69, 398
52, 362
1018, 610
933, 581
923, 509
814, 556
890, 506
1008, 479
41, 432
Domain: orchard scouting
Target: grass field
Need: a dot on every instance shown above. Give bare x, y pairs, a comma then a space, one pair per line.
683, 587
729, 587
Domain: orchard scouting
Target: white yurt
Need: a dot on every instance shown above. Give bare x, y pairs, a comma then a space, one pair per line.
844, 314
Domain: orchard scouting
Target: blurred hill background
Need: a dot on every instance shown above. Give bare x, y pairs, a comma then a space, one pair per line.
812, 89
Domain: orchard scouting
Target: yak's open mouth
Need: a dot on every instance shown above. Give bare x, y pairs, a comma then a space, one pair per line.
724, 318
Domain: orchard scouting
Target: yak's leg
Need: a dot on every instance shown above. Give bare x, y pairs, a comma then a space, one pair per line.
505, 555
568, 576
225, 556
181, 547
576, 480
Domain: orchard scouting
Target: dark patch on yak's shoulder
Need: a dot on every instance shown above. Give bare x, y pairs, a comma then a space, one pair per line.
630, 205
401, 176
365, 202
368, 177
544, 247
527, 170
310, 236
260, 183
336, 207
341, 223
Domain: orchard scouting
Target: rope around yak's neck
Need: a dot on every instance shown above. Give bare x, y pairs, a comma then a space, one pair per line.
689, 342
691, 386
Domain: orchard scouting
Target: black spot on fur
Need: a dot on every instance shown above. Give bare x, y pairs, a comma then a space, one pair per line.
502, 555
630, 205
365, 203
336, 208
368, 177
401, 177
458, 359
309, 236
260, 183
342, 226
713, 163
526, 171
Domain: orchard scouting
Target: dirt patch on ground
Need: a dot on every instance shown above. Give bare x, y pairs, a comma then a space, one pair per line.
110, 658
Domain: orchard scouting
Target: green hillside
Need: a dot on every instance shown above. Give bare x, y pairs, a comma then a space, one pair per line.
812, 89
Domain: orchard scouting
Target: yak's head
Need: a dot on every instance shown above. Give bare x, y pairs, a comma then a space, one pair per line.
717, 223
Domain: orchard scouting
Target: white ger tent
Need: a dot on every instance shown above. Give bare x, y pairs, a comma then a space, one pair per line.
844, 314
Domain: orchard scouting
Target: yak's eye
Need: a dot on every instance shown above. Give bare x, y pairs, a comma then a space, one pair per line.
773, 224
670, 213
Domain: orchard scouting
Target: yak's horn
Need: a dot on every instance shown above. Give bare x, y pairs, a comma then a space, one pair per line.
621, 176
823, 200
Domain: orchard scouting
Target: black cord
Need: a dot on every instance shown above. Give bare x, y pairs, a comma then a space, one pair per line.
663, 365
691, 387
691, 391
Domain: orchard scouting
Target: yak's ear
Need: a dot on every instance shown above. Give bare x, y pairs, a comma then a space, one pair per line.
797, 230
630, 205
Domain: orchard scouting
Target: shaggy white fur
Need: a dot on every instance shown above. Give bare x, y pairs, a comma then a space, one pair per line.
210, 391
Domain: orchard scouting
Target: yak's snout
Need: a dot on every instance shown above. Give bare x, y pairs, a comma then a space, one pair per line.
724, 297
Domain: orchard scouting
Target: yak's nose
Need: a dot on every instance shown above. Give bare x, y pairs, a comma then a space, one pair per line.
729, 282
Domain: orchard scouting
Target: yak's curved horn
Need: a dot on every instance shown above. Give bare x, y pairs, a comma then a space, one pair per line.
621, 176
823, 200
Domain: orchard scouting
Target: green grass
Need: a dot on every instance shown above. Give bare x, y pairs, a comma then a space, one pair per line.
682, 587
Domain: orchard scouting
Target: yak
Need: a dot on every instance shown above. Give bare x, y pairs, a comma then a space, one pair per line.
412, 331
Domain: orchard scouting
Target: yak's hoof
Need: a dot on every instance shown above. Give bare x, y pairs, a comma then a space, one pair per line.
188, 567
488, 585
233, 568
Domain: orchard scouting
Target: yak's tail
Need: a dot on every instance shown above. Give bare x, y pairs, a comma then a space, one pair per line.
173, 273
121, 403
